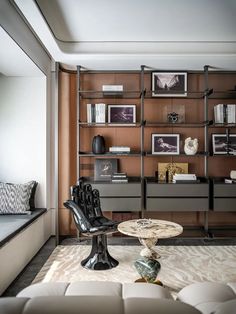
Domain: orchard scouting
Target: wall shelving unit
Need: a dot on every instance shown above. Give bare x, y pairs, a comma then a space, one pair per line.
143, 193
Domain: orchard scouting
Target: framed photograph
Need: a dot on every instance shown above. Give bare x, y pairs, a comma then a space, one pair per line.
122, 114
104, 168
220, 145
170, 168
165, 144
169, 84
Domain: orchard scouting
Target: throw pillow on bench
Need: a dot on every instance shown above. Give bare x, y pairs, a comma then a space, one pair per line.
17, 198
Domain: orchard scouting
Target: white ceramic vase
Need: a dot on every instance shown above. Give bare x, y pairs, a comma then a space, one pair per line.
190, 146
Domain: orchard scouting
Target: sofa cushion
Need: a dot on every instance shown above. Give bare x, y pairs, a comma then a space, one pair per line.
44, 289
12, 305
159, 306
15, 198
206, 296
74, 305
95, 288
197, 293
228, 307
145, 290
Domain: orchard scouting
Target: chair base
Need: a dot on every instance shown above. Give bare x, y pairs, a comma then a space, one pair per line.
99, 257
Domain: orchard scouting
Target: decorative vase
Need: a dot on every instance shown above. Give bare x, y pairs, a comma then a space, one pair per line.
98, 145
190, 146
147, 268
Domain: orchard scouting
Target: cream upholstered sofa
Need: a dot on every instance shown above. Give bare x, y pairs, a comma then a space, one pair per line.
129, 298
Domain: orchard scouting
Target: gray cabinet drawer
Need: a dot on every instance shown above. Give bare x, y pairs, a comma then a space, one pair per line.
224, 190
224, 204
187, 190
177, 204
120, 204
118, 189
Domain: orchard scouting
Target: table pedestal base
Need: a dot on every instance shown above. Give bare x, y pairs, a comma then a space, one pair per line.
156, 282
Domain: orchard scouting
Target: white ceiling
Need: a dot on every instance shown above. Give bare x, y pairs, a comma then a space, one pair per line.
109, 34
13, 61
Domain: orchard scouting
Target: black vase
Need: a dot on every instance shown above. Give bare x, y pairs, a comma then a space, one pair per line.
98, 145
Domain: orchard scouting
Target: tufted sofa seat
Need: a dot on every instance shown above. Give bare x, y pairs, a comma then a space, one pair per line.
96, 297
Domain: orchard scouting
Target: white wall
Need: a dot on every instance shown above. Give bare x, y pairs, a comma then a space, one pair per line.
23, 132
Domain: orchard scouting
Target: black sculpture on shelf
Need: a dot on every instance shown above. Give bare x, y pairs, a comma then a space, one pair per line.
89, 220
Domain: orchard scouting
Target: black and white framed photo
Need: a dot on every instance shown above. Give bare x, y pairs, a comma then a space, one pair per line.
104, 168
220, 145
169, 84
122, 114
165, 144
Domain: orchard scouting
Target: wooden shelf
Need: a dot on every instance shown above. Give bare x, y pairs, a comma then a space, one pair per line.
115, 155
96, 94
176, 125
109, 125
182, 154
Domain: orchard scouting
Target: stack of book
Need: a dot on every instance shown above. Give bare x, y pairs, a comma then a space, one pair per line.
119, 149
96, 113
184, 178
225, 113
112, 89
119, 177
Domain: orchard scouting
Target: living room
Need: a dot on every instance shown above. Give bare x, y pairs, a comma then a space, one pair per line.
160, 202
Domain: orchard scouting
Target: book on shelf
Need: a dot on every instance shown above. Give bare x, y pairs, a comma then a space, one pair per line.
230, 181
187, 181
119, 180
190, 177
119, 149
96, 113
225, 113
119, 177
104, 168
112, 89
231, 113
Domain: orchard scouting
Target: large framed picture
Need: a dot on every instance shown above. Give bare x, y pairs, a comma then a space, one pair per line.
220, 145
104, 168
165, 144
169, 84
122, 114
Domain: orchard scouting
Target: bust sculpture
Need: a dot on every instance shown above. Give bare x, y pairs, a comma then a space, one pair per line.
190, 146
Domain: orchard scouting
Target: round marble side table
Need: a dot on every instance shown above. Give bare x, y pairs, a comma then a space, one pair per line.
148, 231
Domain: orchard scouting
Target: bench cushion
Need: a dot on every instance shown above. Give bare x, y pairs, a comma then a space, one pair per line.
10, 225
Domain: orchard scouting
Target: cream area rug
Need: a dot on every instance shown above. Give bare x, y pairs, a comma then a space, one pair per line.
180, 265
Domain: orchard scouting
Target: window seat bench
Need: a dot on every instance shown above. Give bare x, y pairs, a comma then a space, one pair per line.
21, 236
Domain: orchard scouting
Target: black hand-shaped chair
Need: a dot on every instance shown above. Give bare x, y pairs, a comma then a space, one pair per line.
89, 220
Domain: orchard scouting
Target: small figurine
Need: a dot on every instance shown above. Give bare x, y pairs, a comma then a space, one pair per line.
191, 146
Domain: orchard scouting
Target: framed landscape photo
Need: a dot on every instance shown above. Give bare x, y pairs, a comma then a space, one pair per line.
169, 84
220, 145
104, 168
122, 114
165, 144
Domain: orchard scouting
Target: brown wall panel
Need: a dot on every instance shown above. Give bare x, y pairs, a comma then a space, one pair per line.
67, 148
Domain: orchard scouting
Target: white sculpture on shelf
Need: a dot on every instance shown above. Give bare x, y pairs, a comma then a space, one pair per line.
191, 146
233, 174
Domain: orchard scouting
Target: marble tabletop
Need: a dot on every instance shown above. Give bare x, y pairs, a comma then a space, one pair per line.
150, 228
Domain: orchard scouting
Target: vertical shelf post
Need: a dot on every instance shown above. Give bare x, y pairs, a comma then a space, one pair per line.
206, 138
142, 140
78, 119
